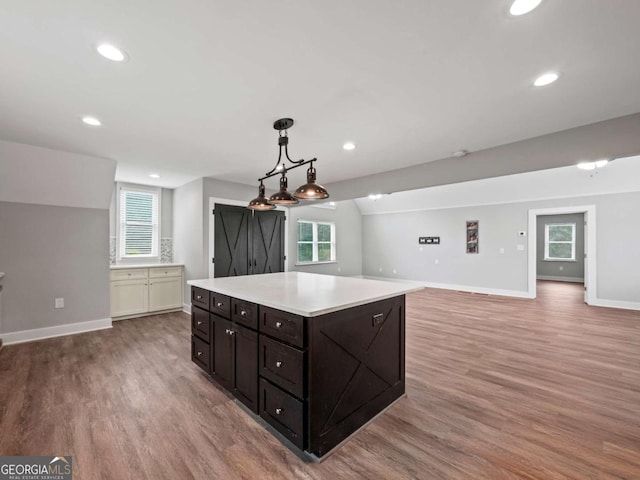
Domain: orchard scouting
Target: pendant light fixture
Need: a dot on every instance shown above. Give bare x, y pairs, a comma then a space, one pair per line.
309, 191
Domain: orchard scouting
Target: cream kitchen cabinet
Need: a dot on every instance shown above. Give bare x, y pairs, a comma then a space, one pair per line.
138, 291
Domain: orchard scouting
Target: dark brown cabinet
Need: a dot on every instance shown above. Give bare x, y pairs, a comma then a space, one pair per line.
315, 380
224, 346
235, 365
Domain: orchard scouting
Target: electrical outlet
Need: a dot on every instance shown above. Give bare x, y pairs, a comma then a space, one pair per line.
395, 271
561, 268
437, 261
501, 250
59, 302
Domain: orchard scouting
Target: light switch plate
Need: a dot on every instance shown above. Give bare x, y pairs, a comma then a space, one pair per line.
59, 302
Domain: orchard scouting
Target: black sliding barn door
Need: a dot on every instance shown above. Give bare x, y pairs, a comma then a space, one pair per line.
231, 241
268, 242
247, 242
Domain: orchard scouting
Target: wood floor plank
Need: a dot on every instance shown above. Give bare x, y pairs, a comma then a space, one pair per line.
497, 388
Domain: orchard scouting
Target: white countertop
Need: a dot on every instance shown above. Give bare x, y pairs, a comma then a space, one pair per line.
144, 265
306, 294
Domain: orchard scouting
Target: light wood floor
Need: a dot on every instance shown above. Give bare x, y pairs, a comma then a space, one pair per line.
497, 388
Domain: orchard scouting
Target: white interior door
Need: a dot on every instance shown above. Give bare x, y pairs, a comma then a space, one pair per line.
586, 264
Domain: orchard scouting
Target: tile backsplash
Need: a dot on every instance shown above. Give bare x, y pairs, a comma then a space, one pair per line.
112, 250
166, 250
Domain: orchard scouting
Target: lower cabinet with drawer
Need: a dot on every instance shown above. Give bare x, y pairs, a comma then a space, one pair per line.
233, 345
138, 291
314, 380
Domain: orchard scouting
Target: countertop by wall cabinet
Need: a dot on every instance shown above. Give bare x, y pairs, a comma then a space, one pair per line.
144, 265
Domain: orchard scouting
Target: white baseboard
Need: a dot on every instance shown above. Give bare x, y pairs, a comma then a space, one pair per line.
601, 302
186, 308
57, 331
461, 288
561, 279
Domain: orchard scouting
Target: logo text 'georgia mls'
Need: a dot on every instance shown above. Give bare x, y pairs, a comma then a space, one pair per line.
36, 468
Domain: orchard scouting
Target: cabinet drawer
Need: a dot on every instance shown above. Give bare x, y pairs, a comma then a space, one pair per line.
220, 304
161, 272
283, 412
244, 313
200, 353
200, 324
200, 297
282, 325
129, 274
282, 364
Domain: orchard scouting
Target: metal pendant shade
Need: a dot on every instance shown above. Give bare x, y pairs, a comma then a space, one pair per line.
309, 191
261, 202
283, 197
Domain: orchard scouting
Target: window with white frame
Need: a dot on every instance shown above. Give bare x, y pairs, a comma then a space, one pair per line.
560, 241
138, 222
316, 242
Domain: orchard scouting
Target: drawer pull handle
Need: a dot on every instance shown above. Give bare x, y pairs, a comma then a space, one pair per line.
219, 304
278, 411
278, 324
199, 322
278, 364
243, 313
229, 331
199, 297
199, 354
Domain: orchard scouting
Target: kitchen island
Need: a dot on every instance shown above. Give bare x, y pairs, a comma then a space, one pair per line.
315, 356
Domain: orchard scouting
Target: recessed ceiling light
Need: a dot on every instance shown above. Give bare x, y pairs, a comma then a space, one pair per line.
93, 121
592, 165
520, 7
460, 153
111, 52
154, 175
349, 146
546, 79
375, 196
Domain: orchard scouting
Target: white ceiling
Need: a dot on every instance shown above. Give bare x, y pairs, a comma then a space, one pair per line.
409, 82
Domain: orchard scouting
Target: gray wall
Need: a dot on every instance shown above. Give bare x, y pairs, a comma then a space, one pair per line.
348, 221
188, 246
555, 270
391, 241
48, 252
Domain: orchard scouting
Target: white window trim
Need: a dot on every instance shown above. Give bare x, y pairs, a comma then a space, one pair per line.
138, 258
547, 258
315, 242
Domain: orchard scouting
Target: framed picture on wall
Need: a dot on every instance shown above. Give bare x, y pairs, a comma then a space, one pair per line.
472, 236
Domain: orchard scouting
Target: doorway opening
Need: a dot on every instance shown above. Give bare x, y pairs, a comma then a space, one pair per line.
545, 264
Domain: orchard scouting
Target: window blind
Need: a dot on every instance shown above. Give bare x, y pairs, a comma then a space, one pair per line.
138, 223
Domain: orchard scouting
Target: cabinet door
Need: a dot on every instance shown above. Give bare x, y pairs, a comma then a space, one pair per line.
245, 372
165, 293
222, 369
129, 297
